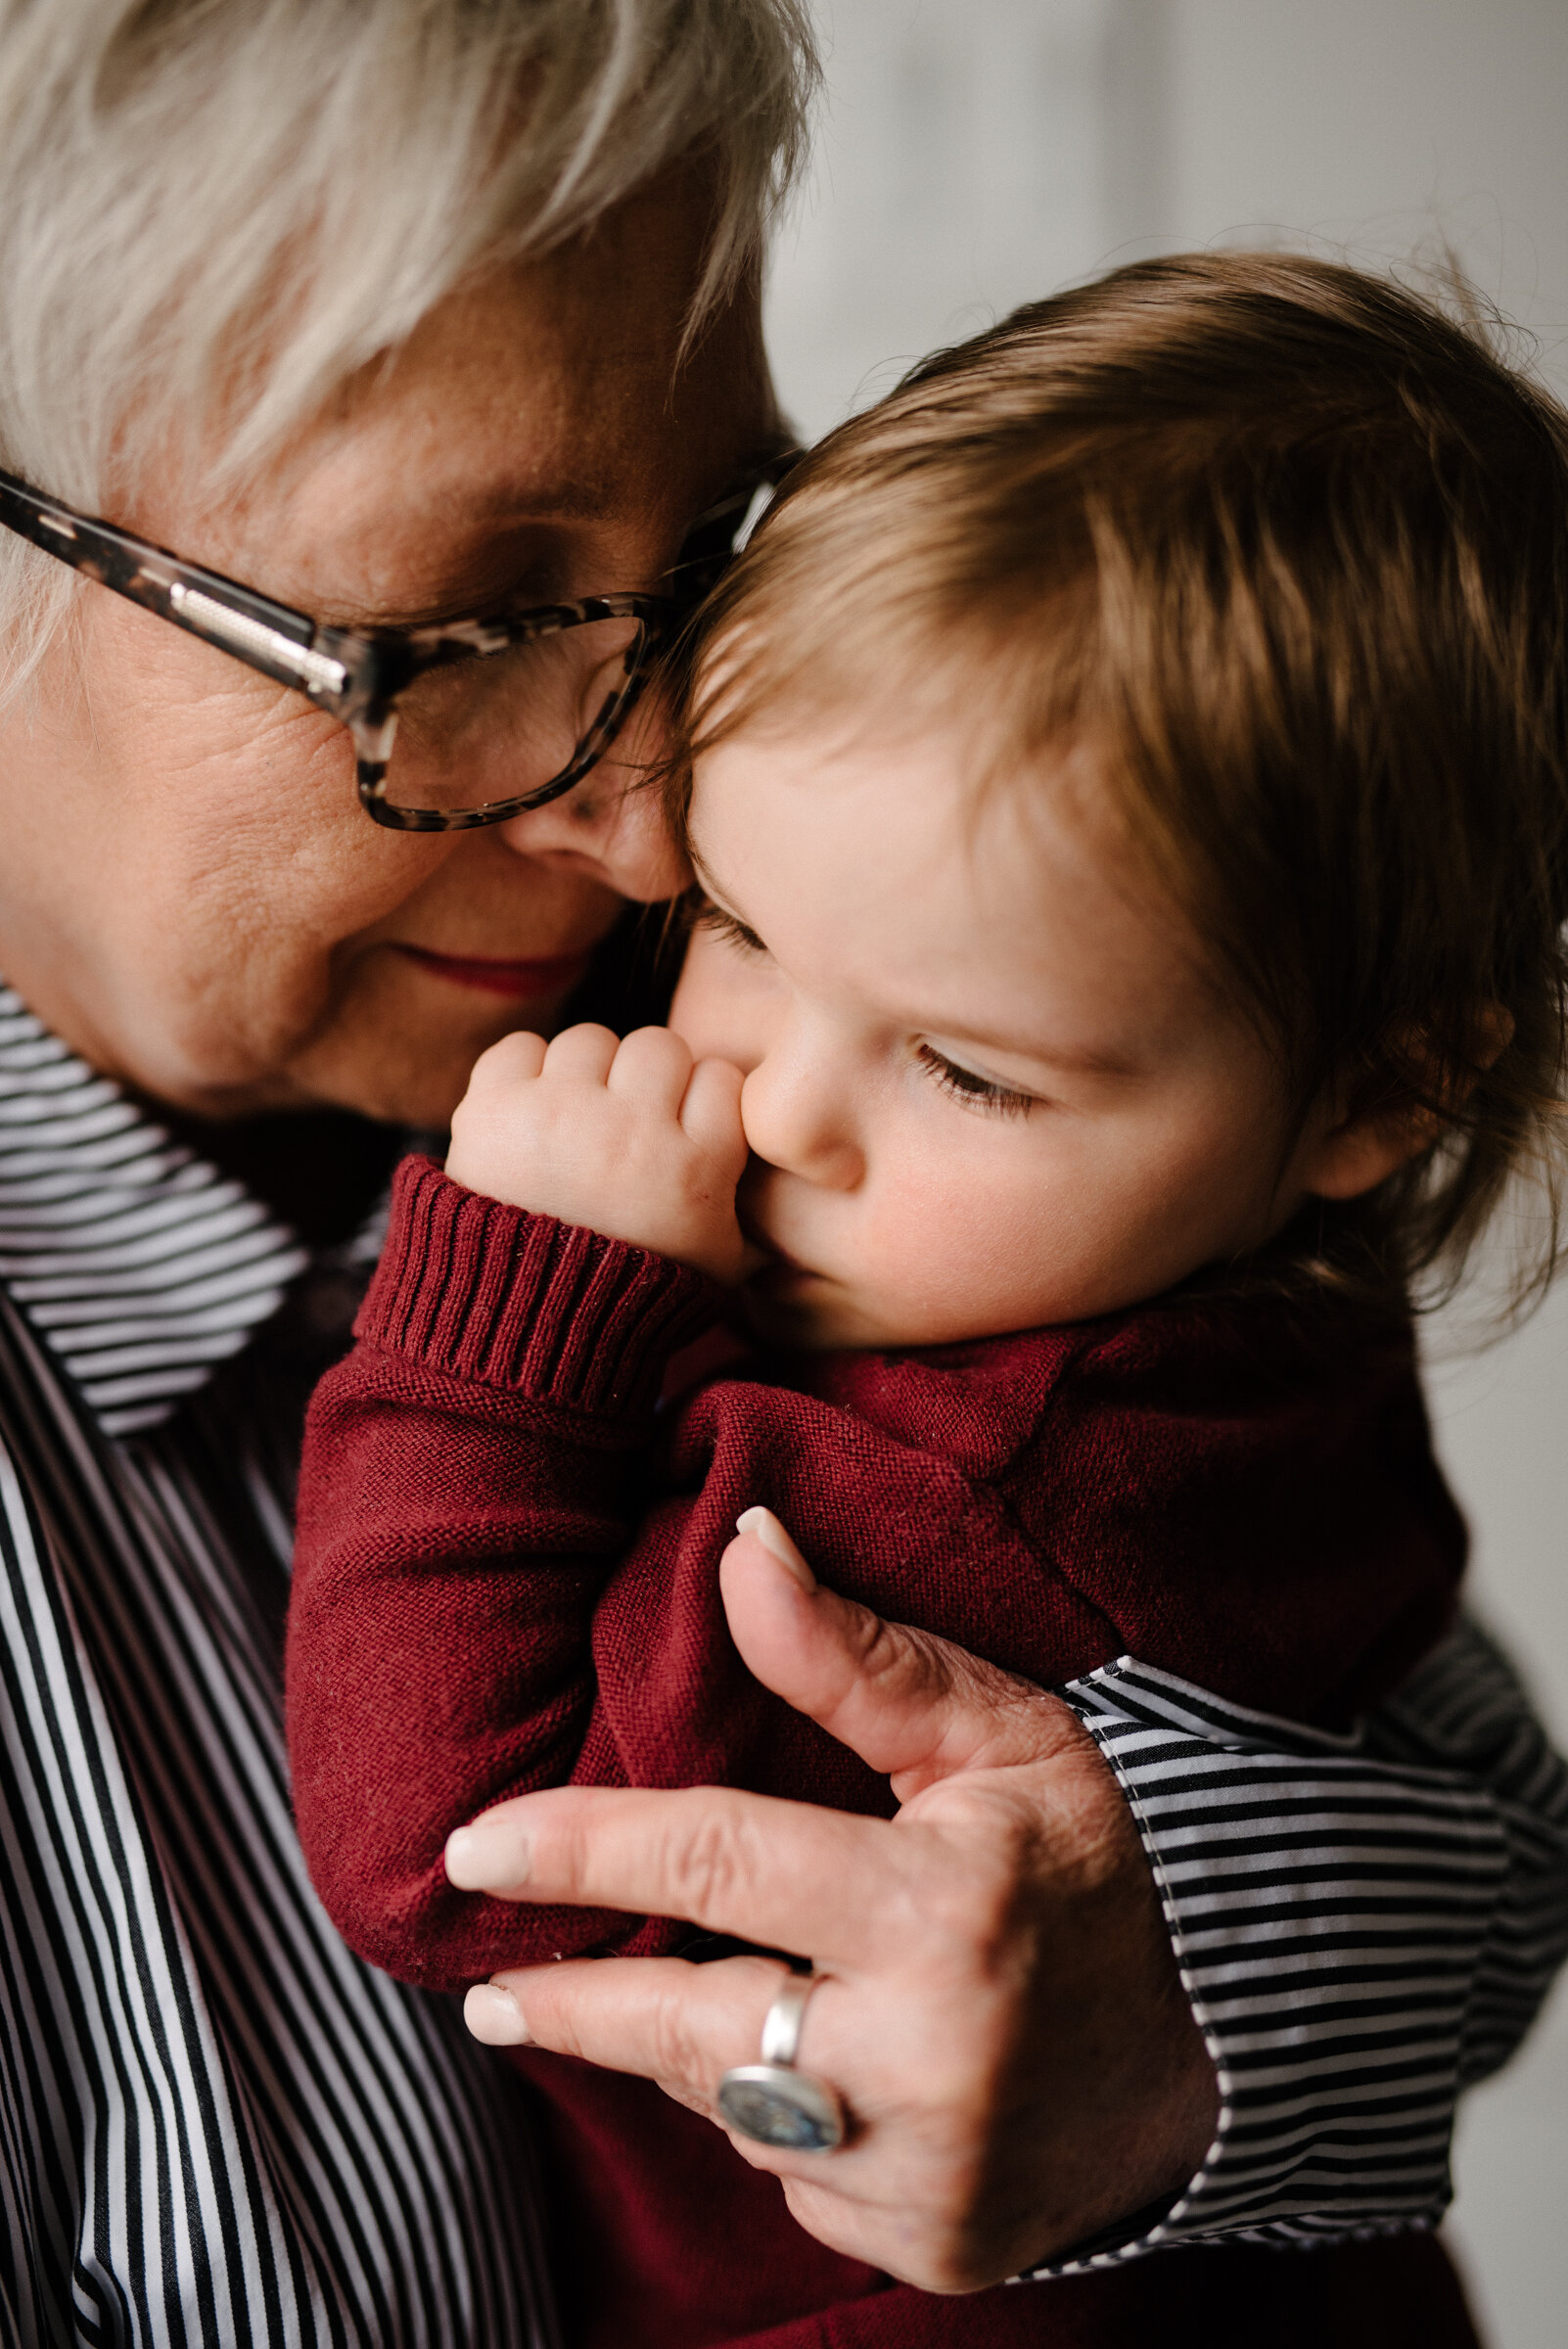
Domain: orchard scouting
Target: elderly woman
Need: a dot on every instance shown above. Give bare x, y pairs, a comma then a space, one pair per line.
401, 343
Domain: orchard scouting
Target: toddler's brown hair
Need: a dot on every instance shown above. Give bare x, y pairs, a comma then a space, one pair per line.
1288, 546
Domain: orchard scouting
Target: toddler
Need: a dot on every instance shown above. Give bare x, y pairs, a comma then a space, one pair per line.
1125, 798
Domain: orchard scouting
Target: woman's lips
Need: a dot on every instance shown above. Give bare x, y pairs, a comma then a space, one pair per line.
520, 980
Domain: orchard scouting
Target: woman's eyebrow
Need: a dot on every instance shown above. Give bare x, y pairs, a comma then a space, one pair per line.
506, 549
524, 499
536, 576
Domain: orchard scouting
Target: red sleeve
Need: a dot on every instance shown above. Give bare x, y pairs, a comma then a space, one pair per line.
472, 1473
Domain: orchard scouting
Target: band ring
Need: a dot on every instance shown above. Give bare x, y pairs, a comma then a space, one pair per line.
772, 2102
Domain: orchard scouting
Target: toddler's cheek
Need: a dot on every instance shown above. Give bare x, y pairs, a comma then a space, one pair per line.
934, 1278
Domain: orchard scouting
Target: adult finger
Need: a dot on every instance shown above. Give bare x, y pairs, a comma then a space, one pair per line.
772, 1872
767, 1871
650, 1070
685, 2026
887, 2194
907, 1703
585, 1052
664, 2018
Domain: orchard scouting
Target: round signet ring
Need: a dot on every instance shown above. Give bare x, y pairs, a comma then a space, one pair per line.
770, 2102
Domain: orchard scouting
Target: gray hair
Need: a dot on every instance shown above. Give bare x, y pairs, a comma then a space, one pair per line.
198, 196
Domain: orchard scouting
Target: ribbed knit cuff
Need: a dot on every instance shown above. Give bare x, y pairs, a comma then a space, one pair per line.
489, 1292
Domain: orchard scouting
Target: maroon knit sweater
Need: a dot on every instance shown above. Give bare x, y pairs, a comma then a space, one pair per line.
506, 1578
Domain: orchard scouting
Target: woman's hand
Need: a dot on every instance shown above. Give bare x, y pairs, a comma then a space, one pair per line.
634, 1139
1003, 2014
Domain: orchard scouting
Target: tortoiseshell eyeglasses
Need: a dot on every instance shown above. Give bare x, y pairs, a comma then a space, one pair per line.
547, 689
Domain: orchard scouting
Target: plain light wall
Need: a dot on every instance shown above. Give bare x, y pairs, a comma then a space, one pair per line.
1381, 123
979, 153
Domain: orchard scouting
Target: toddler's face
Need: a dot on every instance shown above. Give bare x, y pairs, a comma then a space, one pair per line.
988, 1086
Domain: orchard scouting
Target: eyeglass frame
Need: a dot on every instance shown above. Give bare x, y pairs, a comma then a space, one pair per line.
356, 675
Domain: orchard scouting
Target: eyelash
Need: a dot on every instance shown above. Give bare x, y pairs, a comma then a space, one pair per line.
975, 1092
724, 925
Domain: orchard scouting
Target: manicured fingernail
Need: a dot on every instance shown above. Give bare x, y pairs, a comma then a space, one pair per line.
776, 1541
494, 2018
487, 1856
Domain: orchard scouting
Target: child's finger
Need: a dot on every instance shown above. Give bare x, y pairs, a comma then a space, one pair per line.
711, 1112
650, 1071
584, 1052
515, 1059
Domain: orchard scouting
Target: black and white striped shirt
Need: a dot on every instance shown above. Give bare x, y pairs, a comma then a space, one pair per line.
216, 2125
1366, 1926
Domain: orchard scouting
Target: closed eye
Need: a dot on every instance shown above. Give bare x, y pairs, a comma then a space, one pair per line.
976, 1092
727, 926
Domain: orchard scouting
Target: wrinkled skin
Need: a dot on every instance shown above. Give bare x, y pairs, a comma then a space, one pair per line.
190, 893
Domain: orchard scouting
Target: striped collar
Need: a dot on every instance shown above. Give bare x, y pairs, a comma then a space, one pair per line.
142, 1267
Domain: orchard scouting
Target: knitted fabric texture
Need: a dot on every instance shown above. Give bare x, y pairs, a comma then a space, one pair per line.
506, 1578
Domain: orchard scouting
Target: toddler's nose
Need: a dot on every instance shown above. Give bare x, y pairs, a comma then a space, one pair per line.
803, 1126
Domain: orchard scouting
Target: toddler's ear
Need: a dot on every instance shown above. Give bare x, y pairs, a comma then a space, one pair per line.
1361, 1151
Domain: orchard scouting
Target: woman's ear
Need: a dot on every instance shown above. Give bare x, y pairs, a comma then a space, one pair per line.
1361, 1151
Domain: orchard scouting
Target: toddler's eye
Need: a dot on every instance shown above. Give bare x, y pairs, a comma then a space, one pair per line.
709, 916
977, 1092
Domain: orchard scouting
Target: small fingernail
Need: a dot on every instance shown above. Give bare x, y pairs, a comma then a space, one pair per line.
776, 1541
487, 1856
494, 2018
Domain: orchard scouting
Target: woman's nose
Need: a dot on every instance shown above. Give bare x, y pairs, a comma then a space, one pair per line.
803, 1122
613, 820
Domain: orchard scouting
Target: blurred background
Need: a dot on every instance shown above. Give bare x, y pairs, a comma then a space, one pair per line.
981, 153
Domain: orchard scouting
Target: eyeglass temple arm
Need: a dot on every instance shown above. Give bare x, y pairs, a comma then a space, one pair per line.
351, 676
335, 669
711, 542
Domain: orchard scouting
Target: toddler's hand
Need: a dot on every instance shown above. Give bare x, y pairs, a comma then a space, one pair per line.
631, 1139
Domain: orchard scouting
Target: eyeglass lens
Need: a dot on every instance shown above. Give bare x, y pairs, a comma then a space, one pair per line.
510, 722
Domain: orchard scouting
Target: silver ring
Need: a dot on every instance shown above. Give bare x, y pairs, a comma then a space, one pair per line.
770, 2102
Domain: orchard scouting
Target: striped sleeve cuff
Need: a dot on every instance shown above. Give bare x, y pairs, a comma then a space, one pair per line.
1363, 1925
486, 1292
